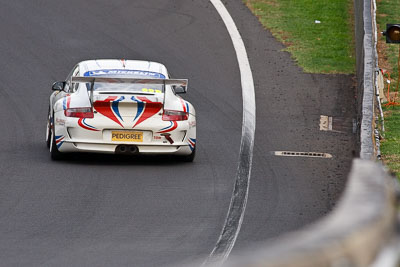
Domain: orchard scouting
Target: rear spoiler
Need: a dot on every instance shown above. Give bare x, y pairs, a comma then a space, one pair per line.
177, 82
92, 80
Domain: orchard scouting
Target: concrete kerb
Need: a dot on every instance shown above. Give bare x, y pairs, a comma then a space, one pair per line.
352, 235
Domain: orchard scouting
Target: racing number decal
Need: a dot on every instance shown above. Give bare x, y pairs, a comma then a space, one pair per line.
149, 90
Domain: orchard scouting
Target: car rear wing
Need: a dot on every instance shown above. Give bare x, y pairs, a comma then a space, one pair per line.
176, 82
92, 80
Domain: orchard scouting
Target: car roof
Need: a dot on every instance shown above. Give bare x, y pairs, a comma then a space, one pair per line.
122, 64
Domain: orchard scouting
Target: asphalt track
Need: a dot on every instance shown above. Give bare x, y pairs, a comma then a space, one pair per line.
112, 211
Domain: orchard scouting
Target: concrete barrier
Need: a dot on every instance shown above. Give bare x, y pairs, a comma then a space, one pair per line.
366, 63
352, 235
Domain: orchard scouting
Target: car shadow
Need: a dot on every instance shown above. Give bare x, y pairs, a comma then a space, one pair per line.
40, 153
113, 159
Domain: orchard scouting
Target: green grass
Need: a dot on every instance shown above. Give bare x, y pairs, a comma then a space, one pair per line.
390, 146
318, 48
388, 11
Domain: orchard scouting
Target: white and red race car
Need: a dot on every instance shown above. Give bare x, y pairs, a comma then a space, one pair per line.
122, 107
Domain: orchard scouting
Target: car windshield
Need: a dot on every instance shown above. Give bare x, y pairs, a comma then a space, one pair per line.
124, 87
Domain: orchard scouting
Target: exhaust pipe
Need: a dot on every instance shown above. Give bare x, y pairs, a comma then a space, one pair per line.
126, 149
133, 149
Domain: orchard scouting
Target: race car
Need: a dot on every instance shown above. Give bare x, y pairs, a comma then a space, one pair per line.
121, 106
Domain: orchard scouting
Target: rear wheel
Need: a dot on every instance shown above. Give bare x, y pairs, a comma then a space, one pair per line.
48, 129
190, 157
54, 153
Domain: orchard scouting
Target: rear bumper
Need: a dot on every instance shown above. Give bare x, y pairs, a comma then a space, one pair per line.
110, 148
72, 137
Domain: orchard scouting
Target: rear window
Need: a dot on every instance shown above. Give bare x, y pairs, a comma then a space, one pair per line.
123, 73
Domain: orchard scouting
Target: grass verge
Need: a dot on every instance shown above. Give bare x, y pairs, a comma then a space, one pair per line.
318, 34
390, 146
388, 11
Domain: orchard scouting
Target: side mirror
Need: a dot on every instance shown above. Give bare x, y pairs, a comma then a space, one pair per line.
180, 89
58, 86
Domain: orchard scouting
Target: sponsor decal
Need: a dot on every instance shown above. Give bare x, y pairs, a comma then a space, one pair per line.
60, 122
122, 136
116, 72
192, 124
150, 90
127, 136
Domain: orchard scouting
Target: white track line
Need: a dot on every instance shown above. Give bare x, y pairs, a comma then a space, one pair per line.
237, 206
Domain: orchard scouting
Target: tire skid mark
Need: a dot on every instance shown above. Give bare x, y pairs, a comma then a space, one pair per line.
237, 206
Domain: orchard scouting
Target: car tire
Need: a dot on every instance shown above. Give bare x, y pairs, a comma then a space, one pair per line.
54, 152
48, 129
190, 157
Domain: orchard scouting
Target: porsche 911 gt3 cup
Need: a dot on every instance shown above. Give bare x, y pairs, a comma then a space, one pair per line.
122, 107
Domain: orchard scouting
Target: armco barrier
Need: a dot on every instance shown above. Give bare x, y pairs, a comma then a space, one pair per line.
352, 235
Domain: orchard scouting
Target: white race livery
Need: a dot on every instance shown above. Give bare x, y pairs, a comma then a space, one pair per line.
123, 107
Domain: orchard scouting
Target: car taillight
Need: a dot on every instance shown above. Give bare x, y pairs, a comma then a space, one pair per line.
174, 115
79, 112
